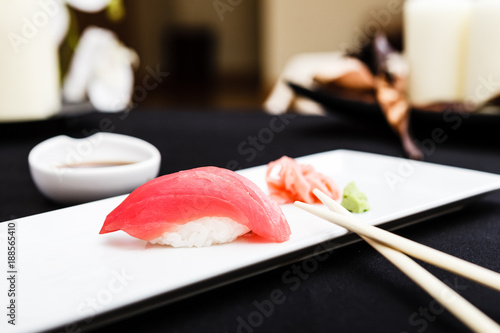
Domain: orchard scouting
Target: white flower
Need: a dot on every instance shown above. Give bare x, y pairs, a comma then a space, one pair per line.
90, 6
102, 70
60, 24
61, 18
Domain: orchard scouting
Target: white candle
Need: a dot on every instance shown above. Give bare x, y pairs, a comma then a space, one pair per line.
29, 74
435, 38
483, 65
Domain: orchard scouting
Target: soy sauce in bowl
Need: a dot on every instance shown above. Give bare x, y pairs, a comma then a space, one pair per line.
69, 170
90, 165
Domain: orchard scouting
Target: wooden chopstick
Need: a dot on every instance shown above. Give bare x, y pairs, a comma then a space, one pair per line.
448, 262
471, 316
451, 300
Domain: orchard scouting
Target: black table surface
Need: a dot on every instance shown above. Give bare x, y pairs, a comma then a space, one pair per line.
353, 289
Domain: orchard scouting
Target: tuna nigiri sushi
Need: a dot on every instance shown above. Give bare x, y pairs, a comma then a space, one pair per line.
198, 207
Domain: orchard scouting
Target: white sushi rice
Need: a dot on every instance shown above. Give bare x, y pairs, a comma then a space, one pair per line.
203, 232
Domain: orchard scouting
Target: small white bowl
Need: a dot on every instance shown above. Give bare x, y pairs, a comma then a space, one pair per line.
69, 170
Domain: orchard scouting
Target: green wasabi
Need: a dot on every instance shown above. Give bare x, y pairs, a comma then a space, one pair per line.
354, 200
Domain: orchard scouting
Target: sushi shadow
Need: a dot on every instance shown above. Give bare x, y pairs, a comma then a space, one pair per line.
252, 238
129, 244
133, 244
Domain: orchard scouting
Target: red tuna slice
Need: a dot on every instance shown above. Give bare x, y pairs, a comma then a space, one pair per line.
165, 202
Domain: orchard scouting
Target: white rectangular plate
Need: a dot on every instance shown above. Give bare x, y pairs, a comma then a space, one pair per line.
67, 272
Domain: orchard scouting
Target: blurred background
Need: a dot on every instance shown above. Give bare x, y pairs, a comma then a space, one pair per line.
229, 53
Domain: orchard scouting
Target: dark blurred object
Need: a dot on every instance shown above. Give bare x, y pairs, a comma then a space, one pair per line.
190, 54
367, 110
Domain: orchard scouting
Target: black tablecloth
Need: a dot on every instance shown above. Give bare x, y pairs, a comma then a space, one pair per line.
353, 289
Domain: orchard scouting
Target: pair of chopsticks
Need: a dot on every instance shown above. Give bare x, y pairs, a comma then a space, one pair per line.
396, 248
